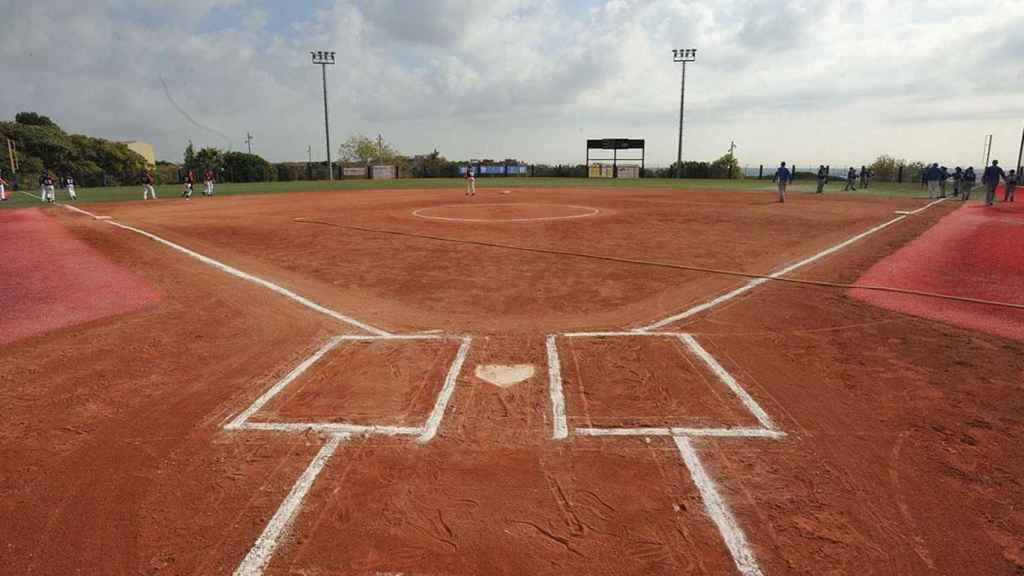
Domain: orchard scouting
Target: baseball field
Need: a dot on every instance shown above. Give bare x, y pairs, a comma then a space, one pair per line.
539, 379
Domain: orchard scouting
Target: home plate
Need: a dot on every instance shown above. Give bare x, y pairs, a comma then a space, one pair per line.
504, 375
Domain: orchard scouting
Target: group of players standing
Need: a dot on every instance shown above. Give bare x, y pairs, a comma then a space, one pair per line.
935, 178
47, 185
209, 179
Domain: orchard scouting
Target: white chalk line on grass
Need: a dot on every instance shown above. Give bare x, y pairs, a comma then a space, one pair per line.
561, 427
434, 421
257, 280
758, 281
716, 508
255, 562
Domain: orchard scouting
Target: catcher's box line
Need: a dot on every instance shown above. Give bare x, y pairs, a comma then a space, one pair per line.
259, 555
758, 281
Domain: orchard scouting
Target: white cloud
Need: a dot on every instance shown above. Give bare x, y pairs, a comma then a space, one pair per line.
803, 80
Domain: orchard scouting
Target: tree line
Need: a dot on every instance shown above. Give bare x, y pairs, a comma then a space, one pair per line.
40, 144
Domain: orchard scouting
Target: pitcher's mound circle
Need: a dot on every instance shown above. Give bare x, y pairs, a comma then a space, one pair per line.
504, 212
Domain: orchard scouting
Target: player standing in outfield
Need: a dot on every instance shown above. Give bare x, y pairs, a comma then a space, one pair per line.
968, 184
190, 179
942, 183
957, 176
69, 183
851, 177
42, 186
822, 178
782, 176
990, 178
48, 194
147, 185
933, 175
208, 180
470, 182
1011, 186
3, 190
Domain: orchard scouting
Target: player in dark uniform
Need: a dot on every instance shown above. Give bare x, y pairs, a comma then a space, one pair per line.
968, 184
990, 179
851, 178
47, 184
147, 186
190, 180
208, 180
822, 178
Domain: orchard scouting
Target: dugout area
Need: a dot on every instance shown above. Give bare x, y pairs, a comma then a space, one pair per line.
302, 397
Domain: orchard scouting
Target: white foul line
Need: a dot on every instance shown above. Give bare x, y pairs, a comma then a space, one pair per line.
255, 407
557, 398
257, 280
729, 381
259, 555
716, 508
434, 421
331, 428
758, 281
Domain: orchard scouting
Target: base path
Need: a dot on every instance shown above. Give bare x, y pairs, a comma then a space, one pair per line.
974, 252
49, 279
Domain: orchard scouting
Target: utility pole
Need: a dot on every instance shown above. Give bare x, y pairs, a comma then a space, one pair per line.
380, 149
683, 56
248, 140
323, 59
732, 147
1020, 156
12, 155
988, 150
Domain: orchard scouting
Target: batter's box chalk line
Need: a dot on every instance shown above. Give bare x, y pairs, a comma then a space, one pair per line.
714, 503
423, 433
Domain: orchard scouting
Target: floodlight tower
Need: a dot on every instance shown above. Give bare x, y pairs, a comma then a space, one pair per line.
323, 59
684, 56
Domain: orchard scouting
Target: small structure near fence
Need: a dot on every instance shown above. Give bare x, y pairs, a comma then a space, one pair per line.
598, 167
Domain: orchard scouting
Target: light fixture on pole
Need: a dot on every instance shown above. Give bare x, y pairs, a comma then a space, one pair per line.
323, 59
683, 56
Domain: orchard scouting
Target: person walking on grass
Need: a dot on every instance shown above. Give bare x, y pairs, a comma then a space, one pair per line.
147, 186
933, 176
470, 182
783, 177
942, 183
990, 178
957, 176
822, 178
1011, 185
968, 184
851, 177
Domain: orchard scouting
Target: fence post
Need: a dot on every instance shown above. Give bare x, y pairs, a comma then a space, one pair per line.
899, 174
760, 172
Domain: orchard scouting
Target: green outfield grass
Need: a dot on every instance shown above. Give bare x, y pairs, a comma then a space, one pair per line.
129, 193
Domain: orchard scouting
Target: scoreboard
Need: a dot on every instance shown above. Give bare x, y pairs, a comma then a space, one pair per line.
615, 144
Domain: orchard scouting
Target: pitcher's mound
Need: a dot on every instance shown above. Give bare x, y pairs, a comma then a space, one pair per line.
509, 212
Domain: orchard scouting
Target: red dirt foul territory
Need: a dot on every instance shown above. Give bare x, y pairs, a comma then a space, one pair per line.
976, 252
49, 279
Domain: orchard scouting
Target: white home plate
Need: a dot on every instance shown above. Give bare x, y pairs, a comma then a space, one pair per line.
504, 375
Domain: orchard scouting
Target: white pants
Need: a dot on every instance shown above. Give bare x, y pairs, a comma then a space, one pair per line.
782, 190
471, 187
3, 193
147, 190
71, 191
48, 193
933, 188
209, 188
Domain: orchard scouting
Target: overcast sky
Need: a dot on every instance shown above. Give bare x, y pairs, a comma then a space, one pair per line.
806, 81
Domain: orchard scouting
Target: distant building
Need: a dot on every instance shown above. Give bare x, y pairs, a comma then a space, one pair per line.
143, 149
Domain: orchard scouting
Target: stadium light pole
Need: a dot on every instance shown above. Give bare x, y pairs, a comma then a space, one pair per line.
323, 59
683, 56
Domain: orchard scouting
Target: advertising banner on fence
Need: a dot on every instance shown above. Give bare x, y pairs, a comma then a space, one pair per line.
384, 173
354, 171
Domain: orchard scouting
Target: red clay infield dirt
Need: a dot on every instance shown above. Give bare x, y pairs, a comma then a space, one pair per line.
901, 451
51, 279
975, 252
